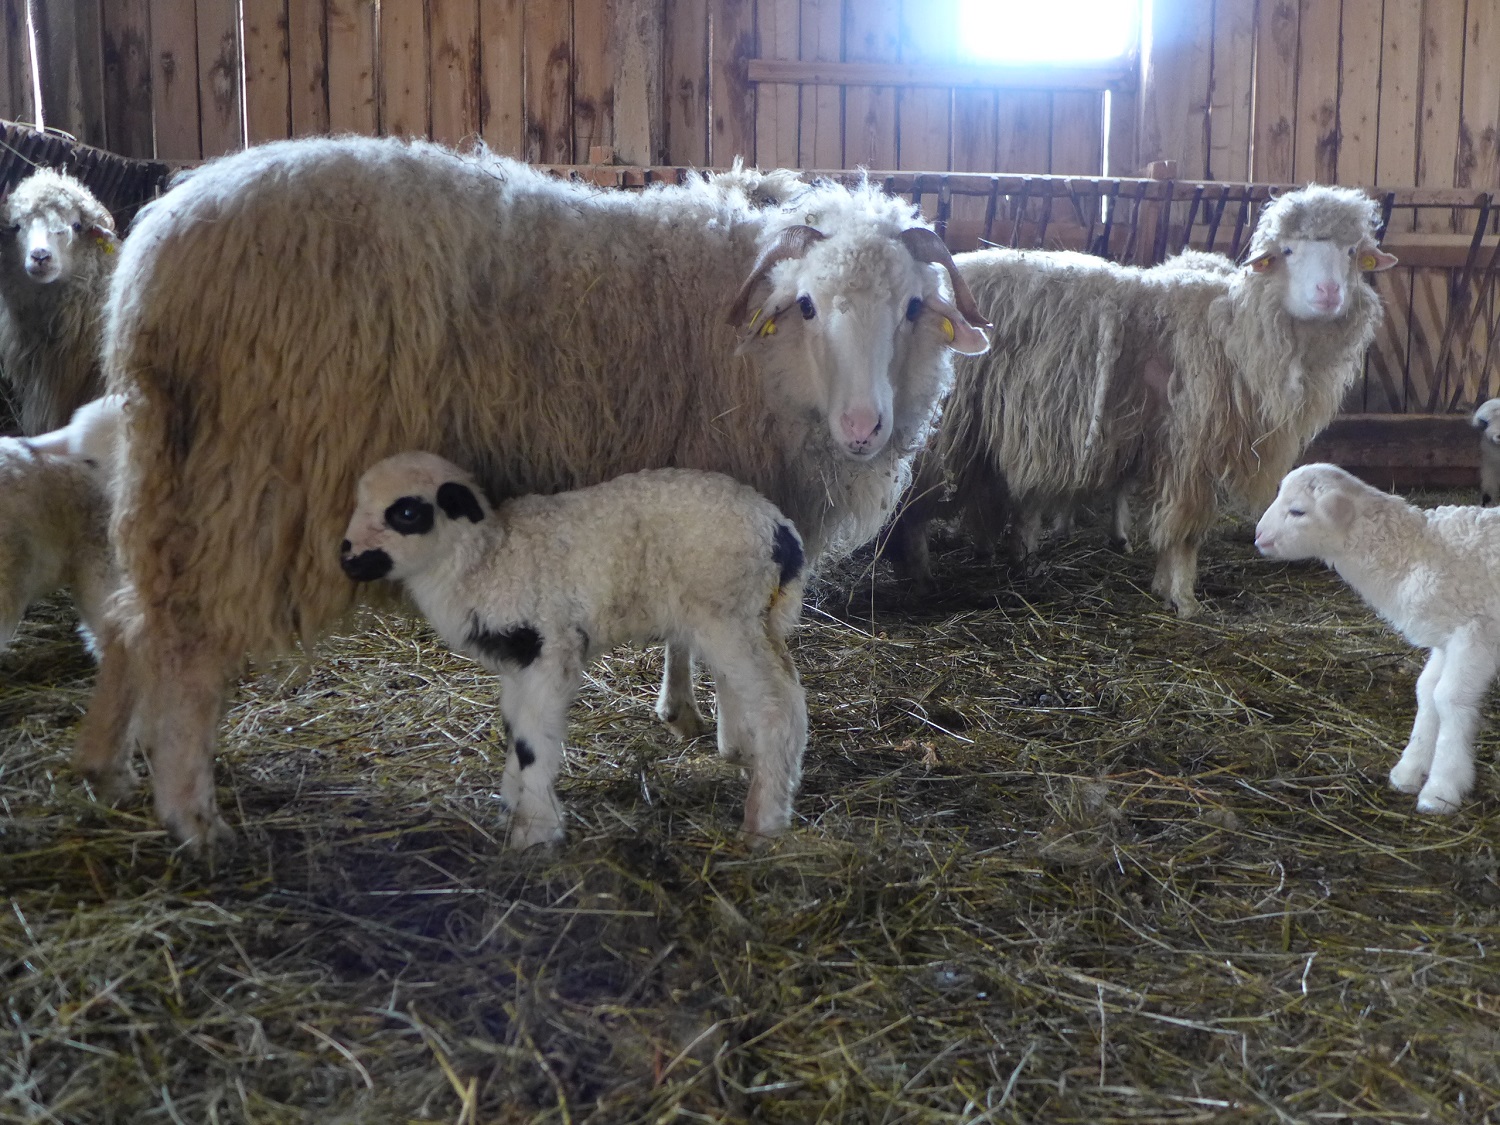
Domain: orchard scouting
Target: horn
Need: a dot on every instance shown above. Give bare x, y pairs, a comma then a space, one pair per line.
927, 246
792, 243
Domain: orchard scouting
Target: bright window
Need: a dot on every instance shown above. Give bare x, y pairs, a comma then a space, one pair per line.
1047, 31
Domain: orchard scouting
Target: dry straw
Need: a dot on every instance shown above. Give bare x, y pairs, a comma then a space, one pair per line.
1059, 857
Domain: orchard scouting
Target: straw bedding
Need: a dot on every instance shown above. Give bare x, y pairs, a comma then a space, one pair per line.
1059, 857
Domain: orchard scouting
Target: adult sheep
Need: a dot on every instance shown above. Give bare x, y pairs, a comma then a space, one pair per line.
57, 251
1193, 379
291, 314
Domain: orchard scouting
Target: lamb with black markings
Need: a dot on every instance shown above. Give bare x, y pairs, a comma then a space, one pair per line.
540, 585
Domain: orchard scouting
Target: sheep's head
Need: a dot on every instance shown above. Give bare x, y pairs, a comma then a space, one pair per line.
1316, 242
1487, 421
50, 219
405, 515
1311, 514
849, 310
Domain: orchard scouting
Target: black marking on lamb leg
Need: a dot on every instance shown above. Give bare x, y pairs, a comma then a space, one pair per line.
525, 755
367, 565
458, 501
518, 644
786, 552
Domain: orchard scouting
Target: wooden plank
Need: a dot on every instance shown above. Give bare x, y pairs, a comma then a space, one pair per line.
778, 105
732, 103
404, 82
17, 100
56, 30
1385, 365
636, 48
924, 115
548, 39
1400, 90
502, 98
820, 142
1024, 130
221, 128
1479, 119
127, 78
1275, 91
454, 69
1359, 90
871, 34
89, 28
687, 82
1402, 451
1231, 86
1442, 93
1077, 134
268, 111
307, 62
1175, 86
1122, 156
1315, 146
1009, 76
174, 79
352, 105
975, 148
593, 77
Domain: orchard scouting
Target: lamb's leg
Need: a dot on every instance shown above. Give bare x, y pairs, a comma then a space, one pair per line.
675, 705
1416, 760
1469, 662
535, 703
102, 753
1119, 531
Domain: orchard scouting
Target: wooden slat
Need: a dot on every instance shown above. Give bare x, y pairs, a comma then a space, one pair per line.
549, 81
221, 128
593, 78
307, 61
89, 25
174, 79
1442, 92
924, 114
1231, 89
403, 70
732, 124
871, 33
454, 69
1421, 450
1385, 364
636, 48
17, 102
1275, 90
820, 143
268, 113
777, 104
1016, 76
352, 106
1359, 90
56, 29
502, 97
687, 82
1400, 89
1479, 122
1077, 134
1316, 145
1123, 154
127, 78
975, 147
1174, 89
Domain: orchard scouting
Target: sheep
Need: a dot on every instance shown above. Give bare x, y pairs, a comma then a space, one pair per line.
57, 253
1434, 576
1489, 451
1189, 378
540, 585
288, 315
54, 519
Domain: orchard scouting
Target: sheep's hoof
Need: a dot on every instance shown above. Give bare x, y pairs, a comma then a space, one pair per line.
1438, 803
207, 838
1406, 778
534, 835
1187, 608
110, 783
685, 724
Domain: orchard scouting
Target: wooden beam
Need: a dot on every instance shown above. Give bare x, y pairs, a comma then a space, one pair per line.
1402, 450
816, 73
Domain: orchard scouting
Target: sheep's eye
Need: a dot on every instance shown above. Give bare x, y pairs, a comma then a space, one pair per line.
1296, 512
77, 226
806, 304
914, 308
410, 515
1287, 253
1351, 251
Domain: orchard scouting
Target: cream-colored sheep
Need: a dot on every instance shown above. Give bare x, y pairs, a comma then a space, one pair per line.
1435, 577
1487, 421
537, 587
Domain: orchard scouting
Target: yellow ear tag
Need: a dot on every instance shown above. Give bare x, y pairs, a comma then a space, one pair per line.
769, 328
948, 329
1261, 265
109, 247
1367, 262
753, 318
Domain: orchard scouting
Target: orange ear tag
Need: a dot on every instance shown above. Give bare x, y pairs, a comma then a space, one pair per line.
1367, 262
948, 330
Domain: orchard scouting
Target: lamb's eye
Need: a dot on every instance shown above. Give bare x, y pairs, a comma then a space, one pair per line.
410, 515
914, 308
1296, 512
805, 303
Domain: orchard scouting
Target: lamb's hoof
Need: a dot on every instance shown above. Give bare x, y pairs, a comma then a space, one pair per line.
1406, 778
534, 835
685, 724
1438, 802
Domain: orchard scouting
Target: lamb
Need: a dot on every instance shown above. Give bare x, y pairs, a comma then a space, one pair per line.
288, 315
1434, 576
1489, 450
535, 588
1193, 380
57, 253
54, 519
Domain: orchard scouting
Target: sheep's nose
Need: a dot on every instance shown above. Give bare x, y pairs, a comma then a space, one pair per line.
1330, 293
860, 426
41, 254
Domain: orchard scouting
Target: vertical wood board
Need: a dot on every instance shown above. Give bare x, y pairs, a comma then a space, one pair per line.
732, 97
1316, 144
1479, 120
127, 78
1175, 86
268, 115
1275, 91
404, 78
221, 125
502, 96
820, 142
454, 69
687, 81
352, 106
872, 31
924, 115
1231, 85
593, 77
307, 61
777, 104
1359, 89
174, 79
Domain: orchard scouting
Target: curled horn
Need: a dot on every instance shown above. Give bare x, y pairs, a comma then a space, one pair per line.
926, 246
792, 243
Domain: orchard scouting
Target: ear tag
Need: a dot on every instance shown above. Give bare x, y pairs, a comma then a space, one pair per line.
948, 330
1261, 265
109, 247
1367, 262
768, 329
754, 317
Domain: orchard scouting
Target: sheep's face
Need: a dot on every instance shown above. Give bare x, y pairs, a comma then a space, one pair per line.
1312, 511
404, 517
1487, 420
49, 221
1317, 273
847, 315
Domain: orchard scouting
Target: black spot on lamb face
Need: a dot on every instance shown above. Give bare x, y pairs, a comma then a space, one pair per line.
525, 755
458, 502
410, 515
517, 644
786, 552
367, 565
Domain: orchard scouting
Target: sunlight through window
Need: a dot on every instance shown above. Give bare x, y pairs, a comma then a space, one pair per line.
1047, 31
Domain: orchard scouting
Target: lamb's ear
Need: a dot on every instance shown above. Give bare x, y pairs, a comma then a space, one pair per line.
1262, 263
1340, 509
1372, 259
458, 500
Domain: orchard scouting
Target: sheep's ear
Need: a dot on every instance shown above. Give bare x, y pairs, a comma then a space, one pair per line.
1372, 259
962, 336
458, 500
104, 236
1262, 263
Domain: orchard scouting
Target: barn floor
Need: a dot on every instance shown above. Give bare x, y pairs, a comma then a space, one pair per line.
1059, 857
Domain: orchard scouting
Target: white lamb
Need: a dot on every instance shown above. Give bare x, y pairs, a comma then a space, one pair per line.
535, 588
1435, 577
1489, 451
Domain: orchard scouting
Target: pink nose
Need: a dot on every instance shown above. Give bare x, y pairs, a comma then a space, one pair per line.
859, 426
1262, 541
1330, 294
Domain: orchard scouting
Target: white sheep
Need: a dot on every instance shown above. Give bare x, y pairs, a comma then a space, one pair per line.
54, 519
537, 587
57, 252
1190, 379
1489, 450
290, 314
1435, 577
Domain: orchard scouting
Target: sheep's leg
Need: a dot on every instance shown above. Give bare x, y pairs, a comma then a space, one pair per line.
1415, 763
905, 542
1176, 574
1469, 663
675, 705
535, 703
102, 753
1119, 530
